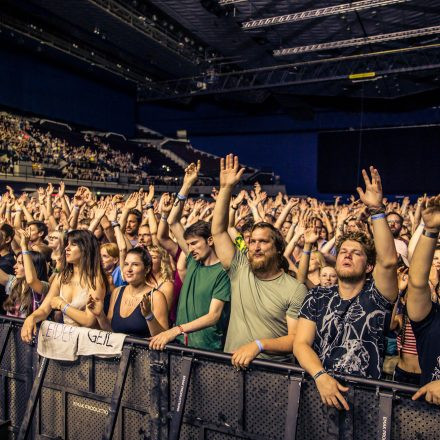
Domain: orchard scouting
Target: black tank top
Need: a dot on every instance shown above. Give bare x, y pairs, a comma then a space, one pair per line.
134, 324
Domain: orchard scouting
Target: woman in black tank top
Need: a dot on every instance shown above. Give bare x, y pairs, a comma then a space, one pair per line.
140, 308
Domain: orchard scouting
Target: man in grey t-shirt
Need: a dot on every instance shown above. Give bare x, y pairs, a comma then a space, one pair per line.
265, 300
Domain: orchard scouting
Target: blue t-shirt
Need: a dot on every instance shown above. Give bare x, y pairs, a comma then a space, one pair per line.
117, 277
350, 334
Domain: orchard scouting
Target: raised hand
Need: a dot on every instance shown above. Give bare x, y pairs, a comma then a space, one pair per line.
311, 235
166, 203
431, 212
101, 208
191, 174
61, 190
146, 305
132, 201
402, 278
79, 197
24, 238
230, 173
372, 196
148, 198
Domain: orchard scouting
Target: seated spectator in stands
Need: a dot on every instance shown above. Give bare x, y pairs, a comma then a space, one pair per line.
423, 313
139, 308
7, 258
203, 309
81, 277
265, 299
342, 329
27, 288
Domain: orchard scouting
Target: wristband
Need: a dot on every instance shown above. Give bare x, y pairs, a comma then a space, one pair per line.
378, 216
65, 308
374, 211
260, 345
150, 206
164, 217
181, 197
307, 252
185, 335
319, 374
76, 207
430, 234
149, 317
18, 210
25, 252
115, 224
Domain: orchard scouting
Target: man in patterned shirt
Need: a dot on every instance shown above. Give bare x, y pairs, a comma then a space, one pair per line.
341, 328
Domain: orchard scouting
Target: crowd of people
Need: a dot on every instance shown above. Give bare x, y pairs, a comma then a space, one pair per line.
94, 160
335, 287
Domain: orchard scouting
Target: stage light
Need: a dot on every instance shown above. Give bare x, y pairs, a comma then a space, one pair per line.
358, 41
321, 12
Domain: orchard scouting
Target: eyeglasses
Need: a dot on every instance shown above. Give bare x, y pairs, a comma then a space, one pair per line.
52, 237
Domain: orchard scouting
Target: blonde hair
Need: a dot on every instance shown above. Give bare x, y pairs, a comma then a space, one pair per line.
320, 259
112, 249
166, 272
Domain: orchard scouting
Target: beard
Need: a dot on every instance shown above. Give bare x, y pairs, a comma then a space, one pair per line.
350, 276
263, 264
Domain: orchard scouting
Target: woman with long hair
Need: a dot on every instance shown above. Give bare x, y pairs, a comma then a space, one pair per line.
140, 308
27, 288
162, 273
81, 277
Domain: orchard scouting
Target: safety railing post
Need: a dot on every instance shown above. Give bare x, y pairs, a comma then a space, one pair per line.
117, 393
294, 395
33, 400
7, 328
385, 415
177, 417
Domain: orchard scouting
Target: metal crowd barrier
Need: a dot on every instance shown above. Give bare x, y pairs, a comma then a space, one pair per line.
190, 394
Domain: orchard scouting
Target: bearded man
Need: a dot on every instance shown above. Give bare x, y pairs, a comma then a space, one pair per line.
265, 300
341, 329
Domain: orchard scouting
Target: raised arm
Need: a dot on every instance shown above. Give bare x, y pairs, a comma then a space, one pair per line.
29, 268
191, 176
230, 175
311, 236
419, 294
384, 273
163, 230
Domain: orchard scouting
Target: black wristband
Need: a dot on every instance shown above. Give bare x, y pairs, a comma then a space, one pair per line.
430, 234
319, 374
374, 211
150, 206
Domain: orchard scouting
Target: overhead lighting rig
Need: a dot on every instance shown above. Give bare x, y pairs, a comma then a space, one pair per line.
321, 12
358, 41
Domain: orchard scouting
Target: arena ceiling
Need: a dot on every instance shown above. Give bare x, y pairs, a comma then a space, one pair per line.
252, 49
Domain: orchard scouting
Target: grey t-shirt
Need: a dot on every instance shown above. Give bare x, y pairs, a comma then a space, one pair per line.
259, 308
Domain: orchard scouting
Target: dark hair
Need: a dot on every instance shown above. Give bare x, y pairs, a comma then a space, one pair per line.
398, 215
247, 226
90, 266
144, 255
199, 229
364, 240
41, 226
21, 292
279, 242
8, 230
136, 213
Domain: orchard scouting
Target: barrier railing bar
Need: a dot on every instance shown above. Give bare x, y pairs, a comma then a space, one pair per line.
33, 399
91, 374
176, 421
385, 415
294, 394
288, 368
110, 422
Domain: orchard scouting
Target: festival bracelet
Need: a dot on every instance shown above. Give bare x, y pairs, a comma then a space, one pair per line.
429, 234
149, 317
260, 345
319, 374
64, 310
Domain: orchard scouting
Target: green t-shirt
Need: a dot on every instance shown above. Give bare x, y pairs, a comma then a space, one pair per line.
259, 308
201, 285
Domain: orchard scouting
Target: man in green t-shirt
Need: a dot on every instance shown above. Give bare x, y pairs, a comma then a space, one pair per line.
265, 299
203, 308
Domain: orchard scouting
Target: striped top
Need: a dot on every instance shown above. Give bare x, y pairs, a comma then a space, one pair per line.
409, 344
